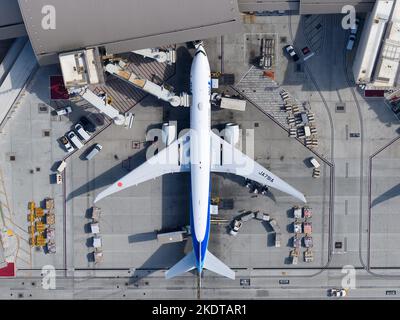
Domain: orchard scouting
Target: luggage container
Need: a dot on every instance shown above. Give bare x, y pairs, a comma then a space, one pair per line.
297, 227
296, 241
308, 241
307, 212
297, 212
308, 228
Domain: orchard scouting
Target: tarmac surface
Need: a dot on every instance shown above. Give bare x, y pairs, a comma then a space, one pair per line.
354, 201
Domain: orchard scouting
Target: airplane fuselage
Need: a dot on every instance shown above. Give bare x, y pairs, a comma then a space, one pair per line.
198, 145
200, 148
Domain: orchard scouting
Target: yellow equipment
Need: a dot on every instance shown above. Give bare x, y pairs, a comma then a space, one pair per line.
31, 217
39, 212
31, 205
40, 241
215, 201
40, 227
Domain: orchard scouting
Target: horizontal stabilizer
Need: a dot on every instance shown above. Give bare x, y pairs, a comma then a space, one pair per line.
185, 265
213, 264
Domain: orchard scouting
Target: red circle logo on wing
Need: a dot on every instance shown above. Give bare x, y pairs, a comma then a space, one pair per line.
119, 184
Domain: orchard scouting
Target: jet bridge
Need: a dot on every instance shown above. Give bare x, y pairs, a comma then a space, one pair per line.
85, 67
101, 104
161, 92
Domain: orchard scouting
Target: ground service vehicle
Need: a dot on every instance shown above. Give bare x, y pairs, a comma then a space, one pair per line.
75, 140
82, 132
96, 149
236, 225
338, 292
290, 51
64, 111
67, 144
61, 167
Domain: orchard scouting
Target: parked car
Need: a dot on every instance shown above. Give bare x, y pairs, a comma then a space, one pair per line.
350, 42
87, 124
82, 132
64, 111
75, 140
236, 225
291, 52
338, 292
67, 145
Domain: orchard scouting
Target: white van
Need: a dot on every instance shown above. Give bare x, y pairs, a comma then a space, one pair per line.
61, 167
75, 140
82, 132
97, 148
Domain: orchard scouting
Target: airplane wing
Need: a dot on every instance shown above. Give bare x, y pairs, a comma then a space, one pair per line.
171, 159
235, 162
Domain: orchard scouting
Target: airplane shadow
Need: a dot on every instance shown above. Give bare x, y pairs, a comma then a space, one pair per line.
111, 175
142, 237
241, 182
391, 193
152, 264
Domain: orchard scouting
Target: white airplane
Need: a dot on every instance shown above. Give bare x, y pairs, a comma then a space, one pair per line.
203, 145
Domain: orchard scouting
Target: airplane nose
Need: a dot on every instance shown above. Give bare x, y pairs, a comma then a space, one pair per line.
200, 49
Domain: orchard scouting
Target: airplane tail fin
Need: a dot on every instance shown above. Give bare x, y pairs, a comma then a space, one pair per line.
186, 264
213, 264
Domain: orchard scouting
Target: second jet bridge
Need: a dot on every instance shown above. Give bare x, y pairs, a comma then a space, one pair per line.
83, 68
101, 104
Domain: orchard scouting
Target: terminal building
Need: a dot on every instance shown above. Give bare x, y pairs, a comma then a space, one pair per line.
305, 6
377, 60
125, 25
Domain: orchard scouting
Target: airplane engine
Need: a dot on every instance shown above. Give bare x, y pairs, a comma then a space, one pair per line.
232, 134
169, 133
